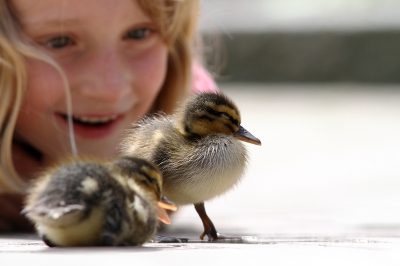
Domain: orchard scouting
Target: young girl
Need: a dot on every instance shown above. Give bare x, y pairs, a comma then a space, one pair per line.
74, 74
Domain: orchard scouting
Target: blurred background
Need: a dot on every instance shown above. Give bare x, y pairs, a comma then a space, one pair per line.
318, 82
303, 40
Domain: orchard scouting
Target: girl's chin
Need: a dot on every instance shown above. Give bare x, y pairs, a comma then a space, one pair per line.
92, 131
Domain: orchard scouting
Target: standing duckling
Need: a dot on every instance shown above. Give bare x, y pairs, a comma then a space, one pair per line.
197, 149
90, 203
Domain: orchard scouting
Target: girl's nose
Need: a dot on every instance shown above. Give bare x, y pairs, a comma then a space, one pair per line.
105, 76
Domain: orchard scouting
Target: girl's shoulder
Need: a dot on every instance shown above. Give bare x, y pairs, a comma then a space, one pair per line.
202, 80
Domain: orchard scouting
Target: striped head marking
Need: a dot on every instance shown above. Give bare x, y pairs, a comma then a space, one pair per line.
144, 173
210, 113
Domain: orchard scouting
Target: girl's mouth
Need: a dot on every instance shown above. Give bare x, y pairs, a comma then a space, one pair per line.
93, 121
90, 127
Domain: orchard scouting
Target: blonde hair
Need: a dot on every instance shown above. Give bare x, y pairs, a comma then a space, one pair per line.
177, 22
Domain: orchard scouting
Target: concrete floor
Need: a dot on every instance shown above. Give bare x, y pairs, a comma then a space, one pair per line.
323, 189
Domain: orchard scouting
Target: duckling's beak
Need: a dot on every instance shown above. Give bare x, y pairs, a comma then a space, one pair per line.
167, 204
244, 135
162, 205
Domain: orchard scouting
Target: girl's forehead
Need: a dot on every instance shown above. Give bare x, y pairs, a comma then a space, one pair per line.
29, 11
37, 11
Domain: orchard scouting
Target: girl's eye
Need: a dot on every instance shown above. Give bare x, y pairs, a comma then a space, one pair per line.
138, 34
58, 42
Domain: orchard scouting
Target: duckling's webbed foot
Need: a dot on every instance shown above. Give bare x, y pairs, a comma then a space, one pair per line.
209, 228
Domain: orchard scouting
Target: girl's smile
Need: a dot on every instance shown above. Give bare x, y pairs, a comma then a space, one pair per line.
91, 127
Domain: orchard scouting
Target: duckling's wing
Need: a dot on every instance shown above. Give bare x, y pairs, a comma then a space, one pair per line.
41, 213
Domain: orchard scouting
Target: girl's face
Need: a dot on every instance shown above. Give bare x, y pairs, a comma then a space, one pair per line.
114, 59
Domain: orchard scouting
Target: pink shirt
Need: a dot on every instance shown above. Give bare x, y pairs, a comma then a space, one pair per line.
202, 80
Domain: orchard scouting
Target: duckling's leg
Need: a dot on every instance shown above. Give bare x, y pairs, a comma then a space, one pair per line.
209, 228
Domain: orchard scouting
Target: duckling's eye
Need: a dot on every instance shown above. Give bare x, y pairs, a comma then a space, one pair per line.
145, 182
226, 115
229, 117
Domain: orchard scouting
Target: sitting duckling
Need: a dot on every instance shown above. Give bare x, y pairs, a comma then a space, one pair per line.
197, 149
90, 203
